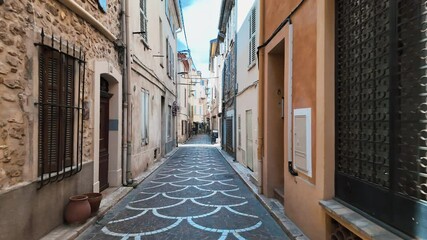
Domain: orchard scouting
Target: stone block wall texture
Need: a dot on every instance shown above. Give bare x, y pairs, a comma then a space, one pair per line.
20, 26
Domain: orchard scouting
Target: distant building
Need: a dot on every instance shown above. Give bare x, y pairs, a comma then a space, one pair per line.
184, 118
215, 86
227, 50
198, 99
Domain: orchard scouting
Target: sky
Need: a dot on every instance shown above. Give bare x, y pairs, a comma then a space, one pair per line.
201, 23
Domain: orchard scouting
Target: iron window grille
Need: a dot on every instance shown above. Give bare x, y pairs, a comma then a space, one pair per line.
381, 120
60, 110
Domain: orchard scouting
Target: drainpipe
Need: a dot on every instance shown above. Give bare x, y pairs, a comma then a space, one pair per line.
236, 90
126, 77
128, 104
261, 53
124, 83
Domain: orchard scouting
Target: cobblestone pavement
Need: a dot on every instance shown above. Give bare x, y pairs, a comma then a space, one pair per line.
194, 195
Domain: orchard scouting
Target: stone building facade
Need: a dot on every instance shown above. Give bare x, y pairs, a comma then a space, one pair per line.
84, 35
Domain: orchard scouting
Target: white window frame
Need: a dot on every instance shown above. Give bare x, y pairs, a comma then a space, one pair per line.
239, 128
145, 110
252, 37
161, 52
169, 127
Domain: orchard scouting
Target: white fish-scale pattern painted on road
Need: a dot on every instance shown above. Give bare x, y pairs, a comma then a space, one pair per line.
194, 195
183, 173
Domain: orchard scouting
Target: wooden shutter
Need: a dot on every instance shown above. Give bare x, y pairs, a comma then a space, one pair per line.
252, 36
67, 115
143, 18
167, 56
50, 118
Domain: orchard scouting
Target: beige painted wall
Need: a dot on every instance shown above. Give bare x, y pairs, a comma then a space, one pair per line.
247, 96
313, 78
150, 73
248, 101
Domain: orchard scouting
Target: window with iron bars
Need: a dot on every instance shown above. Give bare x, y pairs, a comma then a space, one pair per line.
60, 110
380, 111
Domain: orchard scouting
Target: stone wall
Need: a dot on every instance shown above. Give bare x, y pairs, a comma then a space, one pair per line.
20, 26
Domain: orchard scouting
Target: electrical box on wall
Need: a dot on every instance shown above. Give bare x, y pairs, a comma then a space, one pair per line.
302, 140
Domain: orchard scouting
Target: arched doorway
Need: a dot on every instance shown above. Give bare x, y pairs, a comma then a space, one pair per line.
107, 129
104, 129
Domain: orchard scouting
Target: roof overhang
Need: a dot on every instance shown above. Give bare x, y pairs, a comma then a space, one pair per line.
226, 7
177, 7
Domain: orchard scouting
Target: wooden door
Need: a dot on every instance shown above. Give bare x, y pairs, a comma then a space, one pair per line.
103, 142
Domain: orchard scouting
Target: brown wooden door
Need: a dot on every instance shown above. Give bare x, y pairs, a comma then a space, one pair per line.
103, 142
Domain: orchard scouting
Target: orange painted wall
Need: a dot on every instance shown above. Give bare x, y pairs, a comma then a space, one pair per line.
277, 11
313, 88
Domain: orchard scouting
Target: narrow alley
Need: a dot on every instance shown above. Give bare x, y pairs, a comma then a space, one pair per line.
213, 119
194, 195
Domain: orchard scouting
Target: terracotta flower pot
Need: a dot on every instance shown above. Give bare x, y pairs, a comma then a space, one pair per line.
94, 201
77, 210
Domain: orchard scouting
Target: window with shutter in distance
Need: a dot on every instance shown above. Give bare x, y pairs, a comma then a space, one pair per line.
252, 37
143, 18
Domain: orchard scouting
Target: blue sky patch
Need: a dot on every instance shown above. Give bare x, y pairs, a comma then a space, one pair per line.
186, 3
181, 45
103, 5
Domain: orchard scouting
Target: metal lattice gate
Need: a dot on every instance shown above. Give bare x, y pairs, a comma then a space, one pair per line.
381, 110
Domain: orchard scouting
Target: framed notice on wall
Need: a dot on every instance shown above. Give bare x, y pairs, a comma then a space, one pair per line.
103, 5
